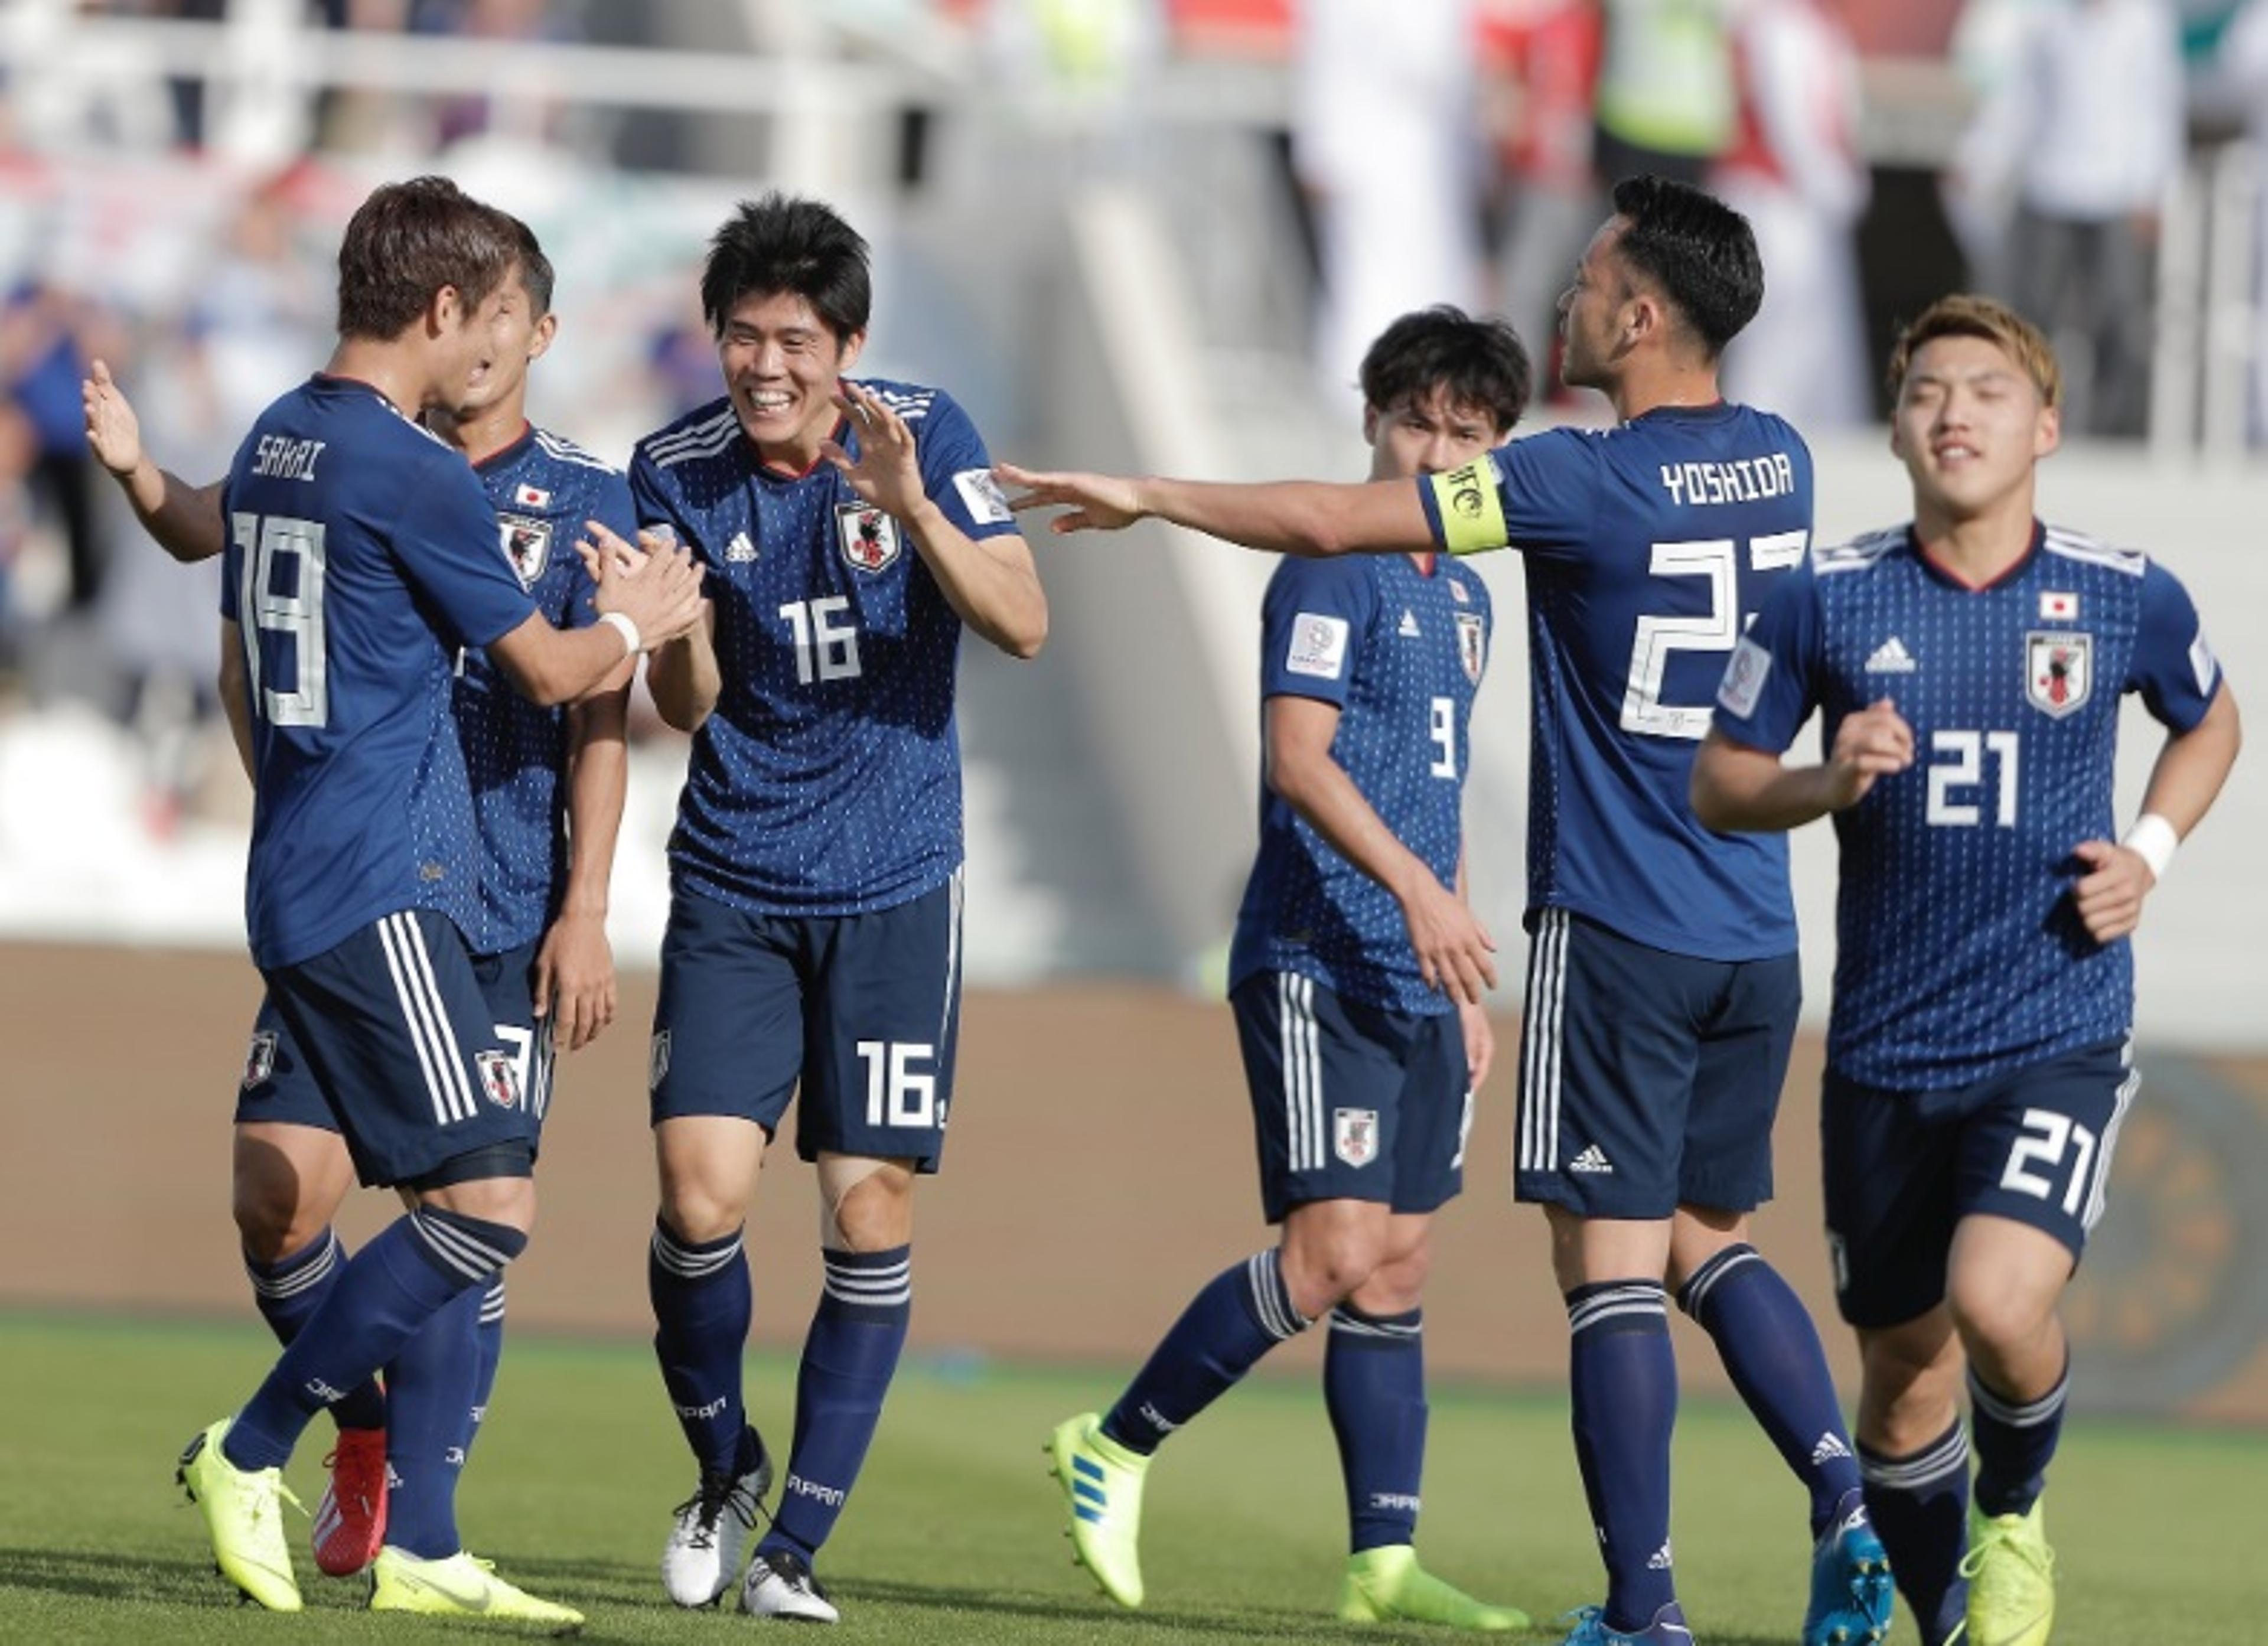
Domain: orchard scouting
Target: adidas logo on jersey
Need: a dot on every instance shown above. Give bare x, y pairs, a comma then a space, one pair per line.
1892, 658
1828, 1447
1593, 1158
1408, 630
740, 550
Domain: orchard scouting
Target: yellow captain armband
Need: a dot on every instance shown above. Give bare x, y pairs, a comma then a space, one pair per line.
1472, 507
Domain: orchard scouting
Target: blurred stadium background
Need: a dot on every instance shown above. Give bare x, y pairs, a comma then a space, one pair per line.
1126, 233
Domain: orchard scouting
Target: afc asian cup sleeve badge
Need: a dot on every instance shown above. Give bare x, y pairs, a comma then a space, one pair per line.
526, 546
1472, 643
868, 536
1354, 1135
260, 1059
2058, 671
499, 1078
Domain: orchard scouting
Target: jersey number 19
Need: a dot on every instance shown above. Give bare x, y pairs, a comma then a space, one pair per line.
271, 546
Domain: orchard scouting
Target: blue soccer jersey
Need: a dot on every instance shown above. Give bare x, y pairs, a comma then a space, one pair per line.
1401, 651
1647, 548
361, 555
828, 779
1960, 955
543, 488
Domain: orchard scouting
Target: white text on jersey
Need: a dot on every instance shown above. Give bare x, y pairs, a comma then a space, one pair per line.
1742, 480
281, 459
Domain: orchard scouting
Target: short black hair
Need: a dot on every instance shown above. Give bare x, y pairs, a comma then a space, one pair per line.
1698, 249
410, 240
782, 243
1475, 362
535, 271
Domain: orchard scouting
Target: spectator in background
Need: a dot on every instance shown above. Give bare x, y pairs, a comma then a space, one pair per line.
45, 340
1543, 57
2243, 66
2086, 132
1794, 173
1664, 94
18, 446
1384, 139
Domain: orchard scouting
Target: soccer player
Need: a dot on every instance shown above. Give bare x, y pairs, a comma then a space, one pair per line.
360, 559
1662, 981
548, 788
851, 531
1361, 1064
1969, 668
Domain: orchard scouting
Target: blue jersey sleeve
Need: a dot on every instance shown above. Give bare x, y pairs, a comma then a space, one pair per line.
1311, 626
653, 504
614, 509
2174, 668
957, 471
1539, 496
1767, 693
445, 541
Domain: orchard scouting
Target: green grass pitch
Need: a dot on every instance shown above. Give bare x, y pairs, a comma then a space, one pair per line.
954, 1535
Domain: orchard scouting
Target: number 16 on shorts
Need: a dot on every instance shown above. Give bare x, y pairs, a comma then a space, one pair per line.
902, 1084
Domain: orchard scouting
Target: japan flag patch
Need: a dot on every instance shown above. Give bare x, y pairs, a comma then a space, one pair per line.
526, 497
1319, 645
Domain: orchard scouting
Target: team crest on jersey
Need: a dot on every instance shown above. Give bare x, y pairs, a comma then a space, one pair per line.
2058, 670
499, 1078
1472, 644
527, 544
869, 537
260, 1059
1354, 1135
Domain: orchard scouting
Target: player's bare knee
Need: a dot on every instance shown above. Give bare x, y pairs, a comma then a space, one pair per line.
866, 1204
509, 1200
1326, 1263
271, 1220
1911, 1385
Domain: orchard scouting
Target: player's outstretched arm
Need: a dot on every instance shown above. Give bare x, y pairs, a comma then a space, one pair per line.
990, 583
2184, 785
1737, 789
575, 967
1309, 518
1455, 954
642, 604
185, 519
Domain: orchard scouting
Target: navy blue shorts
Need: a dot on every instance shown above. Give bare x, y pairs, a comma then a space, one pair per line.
393, 1030
277, 1086
862, 1011
1904, 1168
1352, 1101
1648, 1080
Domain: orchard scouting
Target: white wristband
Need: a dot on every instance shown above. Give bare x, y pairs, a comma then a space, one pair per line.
628, 629
2153, 839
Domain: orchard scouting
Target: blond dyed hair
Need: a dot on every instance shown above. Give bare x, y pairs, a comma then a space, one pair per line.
1965, 314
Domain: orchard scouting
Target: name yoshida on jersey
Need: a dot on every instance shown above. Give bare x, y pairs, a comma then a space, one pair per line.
1646, 547
544, 488
1401, 652
1960, 953
826, 781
